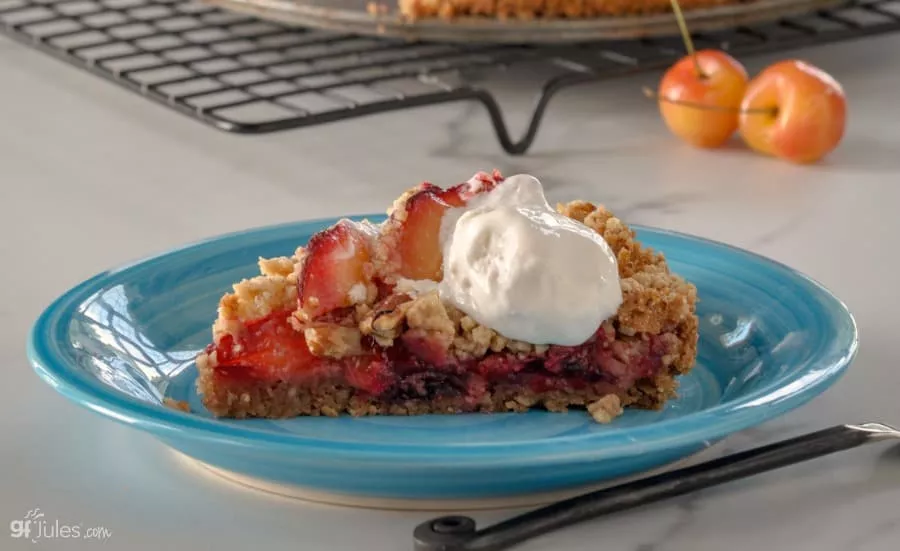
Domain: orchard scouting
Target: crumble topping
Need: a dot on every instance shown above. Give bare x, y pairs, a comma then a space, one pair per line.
414, 287
384, 322
631, 257
180, 405
333, 341
281, 266
255, 298
576, 210
428, 313
605, 409
474, 340
655, 301
358, 293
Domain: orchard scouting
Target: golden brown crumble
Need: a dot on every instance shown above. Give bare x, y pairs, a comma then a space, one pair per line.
428, 313
384, 321
630, 255
606, 409
333, 341
576, 210
254, 298
180, 405
280, 266
654, 302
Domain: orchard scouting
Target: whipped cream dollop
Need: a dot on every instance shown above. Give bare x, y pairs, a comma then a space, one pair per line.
514, 264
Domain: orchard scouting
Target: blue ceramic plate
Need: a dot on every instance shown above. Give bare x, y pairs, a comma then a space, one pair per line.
119, 343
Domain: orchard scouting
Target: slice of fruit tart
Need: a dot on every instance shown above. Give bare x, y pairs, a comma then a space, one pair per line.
540, 9
476, 298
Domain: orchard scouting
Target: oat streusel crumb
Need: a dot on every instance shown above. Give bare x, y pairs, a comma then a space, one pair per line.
255, 298
429, 314
180, 405
605, 409
333, 341
280, 266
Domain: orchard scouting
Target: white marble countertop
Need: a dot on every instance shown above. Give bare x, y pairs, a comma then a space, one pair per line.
94, 176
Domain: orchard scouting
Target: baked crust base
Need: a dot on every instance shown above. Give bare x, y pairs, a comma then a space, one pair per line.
282, 399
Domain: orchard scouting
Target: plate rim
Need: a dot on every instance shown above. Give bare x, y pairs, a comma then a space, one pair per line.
754, 408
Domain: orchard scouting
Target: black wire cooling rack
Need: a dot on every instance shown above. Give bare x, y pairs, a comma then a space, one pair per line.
248, 76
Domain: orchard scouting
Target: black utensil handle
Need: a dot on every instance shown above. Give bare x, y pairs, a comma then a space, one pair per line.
458, 533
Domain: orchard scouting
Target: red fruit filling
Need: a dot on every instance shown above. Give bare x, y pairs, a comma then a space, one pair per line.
272, 350
418, 241
415, 247
333, 268
269, 349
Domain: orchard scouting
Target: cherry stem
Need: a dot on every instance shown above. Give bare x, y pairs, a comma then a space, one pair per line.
686, 36
752, 110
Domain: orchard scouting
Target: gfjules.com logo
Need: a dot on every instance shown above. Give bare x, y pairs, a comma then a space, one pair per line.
35, 526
